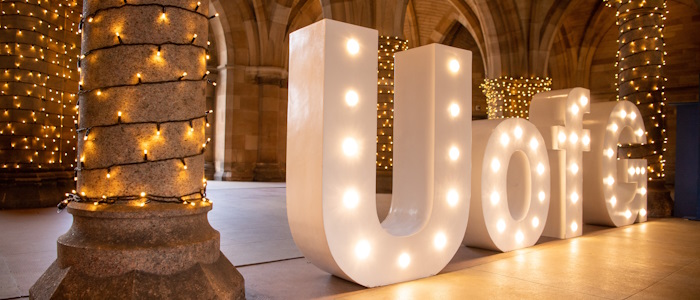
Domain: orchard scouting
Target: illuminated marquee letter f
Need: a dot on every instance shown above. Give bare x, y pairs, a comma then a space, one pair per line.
331, 155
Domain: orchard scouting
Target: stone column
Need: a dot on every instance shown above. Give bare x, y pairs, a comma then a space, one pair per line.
40, 45
140, 227
272, 91
641, 81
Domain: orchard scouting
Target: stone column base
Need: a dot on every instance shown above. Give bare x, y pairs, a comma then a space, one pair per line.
219, 280
34, 189
235, 172
659, 202
269, 172
384, 182
129, 251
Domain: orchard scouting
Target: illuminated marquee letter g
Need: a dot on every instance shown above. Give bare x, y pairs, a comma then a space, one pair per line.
331, 155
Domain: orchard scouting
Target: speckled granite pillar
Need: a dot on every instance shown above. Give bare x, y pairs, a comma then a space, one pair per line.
140, 228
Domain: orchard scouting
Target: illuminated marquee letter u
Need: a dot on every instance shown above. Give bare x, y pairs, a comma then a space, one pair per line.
331, 155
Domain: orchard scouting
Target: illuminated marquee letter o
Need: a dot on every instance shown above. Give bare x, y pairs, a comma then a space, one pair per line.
510, 185
331, 154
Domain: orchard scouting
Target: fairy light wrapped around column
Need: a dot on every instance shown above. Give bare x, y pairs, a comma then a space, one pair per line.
509, 97
640, 77
388, 46
142, 117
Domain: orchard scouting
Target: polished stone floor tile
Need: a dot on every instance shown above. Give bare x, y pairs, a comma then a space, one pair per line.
659, 259
468, 284
683, 284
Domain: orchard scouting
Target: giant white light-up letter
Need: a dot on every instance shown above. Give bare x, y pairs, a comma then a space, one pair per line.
331, 201
510, 185
615, 188
559, 117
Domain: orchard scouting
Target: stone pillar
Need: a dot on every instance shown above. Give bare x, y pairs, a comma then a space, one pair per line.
509, 97
272, 91
140, 227
641, 81
40, 45
388, 46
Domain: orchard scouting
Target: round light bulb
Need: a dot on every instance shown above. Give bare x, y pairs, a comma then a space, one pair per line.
519, 236
350, 147
353, 46
362, 249
518, 132
534, 144
541, 196
574, 226
609, 180
351, 98
613, 201
495, 165
535, 222
562, 137
501, 225
540, 168
586, 140
573, 138
495, 197
574, 168
351, 199
504, 139
609, 152
452, 198
574, 197
583, 100
454, 66
440, 241
454, 109
454, 153
404, 260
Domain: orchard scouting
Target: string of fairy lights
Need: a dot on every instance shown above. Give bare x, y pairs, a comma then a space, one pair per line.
509, 97
38, 84
388, 46
90, 134
640, 78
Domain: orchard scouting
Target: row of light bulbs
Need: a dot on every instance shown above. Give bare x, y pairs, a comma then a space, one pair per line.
350, 147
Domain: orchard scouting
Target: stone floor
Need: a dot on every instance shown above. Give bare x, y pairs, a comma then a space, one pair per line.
658, 259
